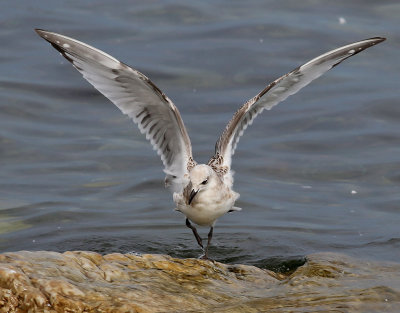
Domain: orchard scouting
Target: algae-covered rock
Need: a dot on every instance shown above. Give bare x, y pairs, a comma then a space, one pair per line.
89, 282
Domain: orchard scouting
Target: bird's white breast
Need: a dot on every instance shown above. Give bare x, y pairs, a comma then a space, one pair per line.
207, 206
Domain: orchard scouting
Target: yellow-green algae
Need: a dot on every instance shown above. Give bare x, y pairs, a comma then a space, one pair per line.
9, 224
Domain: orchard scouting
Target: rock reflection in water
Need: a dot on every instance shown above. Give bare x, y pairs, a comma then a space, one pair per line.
90, 282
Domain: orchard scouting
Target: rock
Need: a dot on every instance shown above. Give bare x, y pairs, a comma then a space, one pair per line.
89, 282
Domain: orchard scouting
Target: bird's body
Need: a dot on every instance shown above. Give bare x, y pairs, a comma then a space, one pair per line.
202, 192
209, 201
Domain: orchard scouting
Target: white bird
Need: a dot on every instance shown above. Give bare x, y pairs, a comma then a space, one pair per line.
202, 192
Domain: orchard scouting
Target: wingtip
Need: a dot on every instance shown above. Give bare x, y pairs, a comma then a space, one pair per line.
378, 39
41, 32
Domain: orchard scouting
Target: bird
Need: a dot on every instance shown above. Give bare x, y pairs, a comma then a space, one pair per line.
202, 192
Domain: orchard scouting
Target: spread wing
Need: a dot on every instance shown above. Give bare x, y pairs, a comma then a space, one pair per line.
136, 96
276, 92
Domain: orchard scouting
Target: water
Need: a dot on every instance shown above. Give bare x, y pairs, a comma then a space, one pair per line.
319, 172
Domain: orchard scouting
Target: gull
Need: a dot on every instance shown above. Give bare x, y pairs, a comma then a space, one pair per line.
202, 192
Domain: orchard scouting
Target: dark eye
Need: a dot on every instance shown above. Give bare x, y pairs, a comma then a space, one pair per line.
204, 182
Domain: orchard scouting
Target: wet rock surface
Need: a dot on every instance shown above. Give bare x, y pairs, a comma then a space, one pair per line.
89, 282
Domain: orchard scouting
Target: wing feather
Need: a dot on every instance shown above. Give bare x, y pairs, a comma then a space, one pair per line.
276, 92
136, 96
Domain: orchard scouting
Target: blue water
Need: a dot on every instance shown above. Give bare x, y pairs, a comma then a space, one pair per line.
319, 172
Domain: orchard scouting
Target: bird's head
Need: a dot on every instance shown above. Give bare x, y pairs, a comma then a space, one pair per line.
201, 177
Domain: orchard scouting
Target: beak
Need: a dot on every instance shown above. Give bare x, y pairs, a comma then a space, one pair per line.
192, 195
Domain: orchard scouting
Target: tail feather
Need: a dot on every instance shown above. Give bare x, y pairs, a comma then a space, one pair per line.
234, 208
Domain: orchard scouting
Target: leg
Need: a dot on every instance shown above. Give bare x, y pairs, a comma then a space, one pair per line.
210, 234
199, 241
